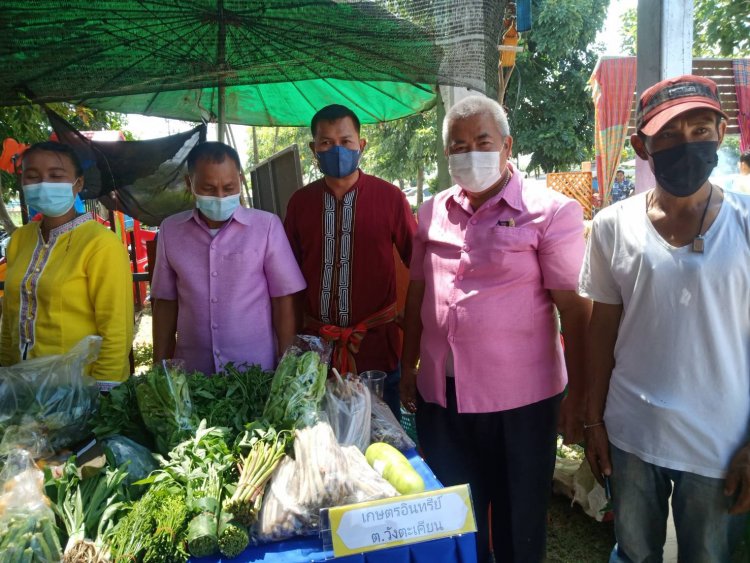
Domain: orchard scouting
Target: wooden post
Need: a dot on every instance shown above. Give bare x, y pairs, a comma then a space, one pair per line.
665, 45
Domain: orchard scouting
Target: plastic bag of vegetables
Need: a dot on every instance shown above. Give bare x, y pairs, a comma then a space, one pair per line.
385, 427
347, 406
51, 395
27, 524
298, 385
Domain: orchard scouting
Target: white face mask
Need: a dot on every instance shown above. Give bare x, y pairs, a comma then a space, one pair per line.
475, 171
217, 208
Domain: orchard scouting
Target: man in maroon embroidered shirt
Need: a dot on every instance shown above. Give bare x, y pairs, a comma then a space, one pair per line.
342, 229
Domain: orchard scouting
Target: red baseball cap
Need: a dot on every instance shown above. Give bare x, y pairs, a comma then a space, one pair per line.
669, 98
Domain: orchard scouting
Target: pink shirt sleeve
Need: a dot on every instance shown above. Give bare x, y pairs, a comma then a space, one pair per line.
562, 248
282, 272
164, 280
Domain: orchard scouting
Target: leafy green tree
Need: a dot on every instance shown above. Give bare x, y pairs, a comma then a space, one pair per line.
721, 29
267, 141
549, 105
403, 150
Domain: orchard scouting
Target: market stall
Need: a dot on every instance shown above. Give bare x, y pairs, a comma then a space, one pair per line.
245, 464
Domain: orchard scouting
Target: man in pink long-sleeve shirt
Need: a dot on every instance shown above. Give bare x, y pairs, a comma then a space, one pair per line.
491, 261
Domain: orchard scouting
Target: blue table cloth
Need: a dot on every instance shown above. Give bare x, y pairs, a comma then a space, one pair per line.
456, 549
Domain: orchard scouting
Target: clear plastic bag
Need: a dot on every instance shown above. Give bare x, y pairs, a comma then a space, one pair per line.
298, 385
49, 398
318, 477
27, 524
322, 474
385, 427
347, 406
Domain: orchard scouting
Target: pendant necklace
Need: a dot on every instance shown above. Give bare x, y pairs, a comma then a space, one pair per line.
699, 243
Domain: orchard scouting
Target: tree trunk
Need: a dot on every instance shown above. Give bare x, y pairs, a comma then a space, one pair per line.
420, 183
256, 155
5, 220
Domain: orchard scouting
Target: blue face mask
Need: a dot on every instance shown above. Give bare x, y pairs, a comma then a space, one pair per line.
52, 199
338, 162
217, 208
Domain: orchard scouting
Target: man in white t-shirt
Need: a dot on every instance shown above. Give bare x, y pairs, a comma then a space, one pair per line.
669, 348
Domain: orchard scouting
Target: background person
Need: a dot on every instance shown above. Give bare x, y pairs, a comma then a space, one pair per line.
68, 277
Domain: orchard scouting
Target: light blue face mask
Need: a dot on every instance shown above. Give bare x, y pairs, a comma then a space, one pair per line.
52, 199
217, 208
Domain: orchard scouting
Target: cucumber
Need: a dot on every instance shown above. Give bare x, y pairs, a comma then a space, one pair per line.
394, 468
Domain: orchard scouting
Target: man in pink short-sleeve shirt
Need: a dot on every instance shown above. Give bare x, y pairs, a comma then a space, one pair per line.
491, 261
225, 276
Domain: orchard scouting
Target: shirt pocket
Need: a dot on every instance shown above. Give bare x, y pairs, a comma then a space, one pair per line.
509, 245
233, 257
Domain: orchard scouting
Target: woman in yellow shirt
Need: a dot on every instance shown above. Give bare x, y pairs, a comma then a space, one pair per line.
68, 276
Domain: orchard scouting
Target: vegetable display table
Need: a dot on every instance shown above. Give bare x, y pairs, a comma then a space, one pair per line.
456, 549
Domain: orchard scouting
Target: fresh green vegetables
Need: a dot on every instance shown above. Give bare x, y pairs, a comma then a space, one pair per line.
297, 390
27, 538
87, 508
203, 466
165, 406
265, 447
118, 414
231, 398
167, 542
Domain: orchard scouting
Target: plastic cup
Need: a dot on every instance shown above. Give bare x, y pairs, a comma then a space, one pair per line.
375, 381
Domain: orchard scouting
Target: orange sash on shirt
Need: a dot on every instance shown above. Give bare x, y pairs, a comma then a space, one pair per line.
346, 340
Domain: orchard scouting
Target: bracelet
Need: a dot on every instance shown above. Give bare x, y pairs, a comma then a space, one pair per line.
587, 426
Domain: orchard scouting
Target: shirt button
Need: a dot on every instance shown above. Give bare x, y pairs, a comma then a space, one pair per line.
460, 278
216, 352
452, 307
37, 269
213, 247
214, 326
473, 221
214, 300
467, 248
214, 274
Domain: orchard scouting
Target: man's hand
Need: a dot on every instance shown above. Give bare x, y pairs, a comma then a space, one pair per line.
408, 389
570, 424
597, 452
738, 481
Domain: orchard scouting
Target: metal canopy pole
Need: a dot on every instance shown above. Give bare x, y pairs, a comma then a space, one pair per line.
220, 64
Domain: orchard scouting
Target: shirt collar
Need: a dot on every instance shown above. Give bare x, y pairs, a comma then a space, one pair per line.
238, 216
511, 194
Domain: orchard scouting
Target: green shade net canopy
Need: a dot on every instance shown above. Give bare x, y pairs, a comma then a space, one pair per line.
251, 62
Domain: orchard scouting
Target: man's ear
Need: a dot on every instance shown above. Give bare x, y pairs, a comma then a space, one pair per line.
722, 130
188, 183
509, 146
362, 144
639, 146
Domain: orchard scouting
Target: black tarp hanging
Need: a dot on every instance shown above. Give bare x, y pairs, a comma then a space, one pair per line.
147, 176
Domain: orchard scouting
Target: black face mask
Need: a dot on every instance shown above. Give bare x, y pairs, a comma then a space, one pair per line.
683, 169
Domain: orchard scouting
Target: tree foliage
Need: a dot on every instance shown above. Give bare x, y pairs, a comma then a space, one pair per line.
271, 140
721, 29
550, 108
403, 150
396, 150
